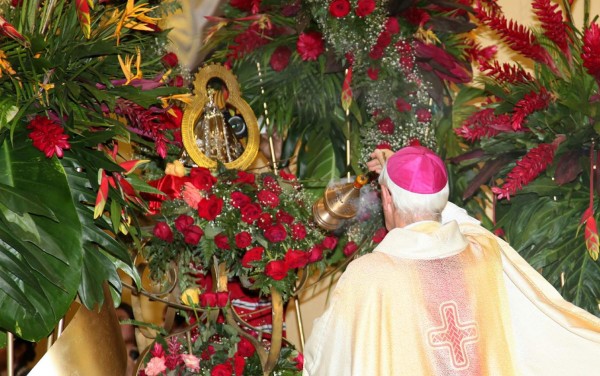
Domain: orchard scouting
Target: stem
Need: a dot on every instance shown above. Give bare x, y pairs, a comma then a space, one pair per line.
586, 13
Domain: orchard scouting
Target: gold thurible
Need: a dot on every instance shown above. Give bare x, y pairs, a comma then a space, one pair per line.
339, 203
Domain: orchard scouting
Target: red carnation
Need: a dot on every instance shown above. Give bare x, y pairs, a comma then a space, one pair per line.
276, 269
280, 58
296, 258
221, 241
276, 233
310, 45
250, 212
170, 60
48, 136
339, 8
253, 254
386, 126
239, 199
243, 239
163, 232
364, 7
210, 207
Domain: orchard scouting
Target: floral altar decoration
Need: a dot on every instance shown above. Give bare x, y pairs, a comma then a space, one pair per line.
533, 139
77, 79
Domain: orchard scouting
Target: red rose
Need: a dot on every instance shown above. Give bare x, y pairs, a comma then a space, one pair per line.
339, 8
384, 145
170, 60
243, 239
402, 105
208, 353
177, 81
267, 198
192, 235
271, 183
253, 254
208, 299
239, 200
222, 241
287, 176
295, 258
250, 213
392, 26
238, 364
284, 217
280, 58
298, 231
379, 235
364, 7
223, 369
373, 73
222, 298
245, 178
276, 269
330, 242
276, 233
386, 126
315, 253
423, 115
383, 40
209, 208
183, 221
202, 178
310, 45
264, 221
163, 232
350, 248
245, 348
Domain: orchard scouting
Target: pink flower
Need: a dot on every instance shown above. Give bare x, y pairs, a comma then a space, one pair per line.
280, 58
191, 195
48, 136
191, 362
364, 7
155, 367
310, 45
339, 8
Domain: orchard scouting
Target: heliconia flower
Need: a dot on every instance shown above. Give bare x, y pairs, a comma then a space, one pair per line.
48, 136
516, 36
534, 101
591, 51
10, 31
528, 168
505, 73
484, 123
83, 13
592, 240
555, 28
347, 90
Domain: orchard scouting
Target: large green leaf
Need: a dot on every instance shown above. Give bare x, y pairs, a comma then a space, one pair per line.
317, 161
40, 243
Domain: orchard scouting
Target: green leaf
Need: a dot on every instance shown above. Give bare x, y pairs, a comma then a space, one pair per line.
16, 201
39, 277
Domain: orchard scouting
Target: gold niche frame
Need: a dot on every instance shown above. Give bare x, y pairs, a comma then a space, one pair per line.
195, 110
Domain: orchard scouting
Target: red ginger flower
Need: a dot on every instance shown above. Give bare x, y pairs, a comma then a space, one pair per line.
591, 51
310, 45
528, 168
529, 104
484, 123
505, 73
48, 136
516, 36
551, 19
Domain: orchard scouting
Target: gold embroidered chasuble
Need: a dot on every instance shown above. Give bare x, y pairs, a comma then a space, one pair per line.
432, 300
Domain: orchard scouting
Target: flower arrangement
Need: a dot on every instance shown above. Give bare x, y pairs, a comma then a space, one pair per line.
535, 133
74, 83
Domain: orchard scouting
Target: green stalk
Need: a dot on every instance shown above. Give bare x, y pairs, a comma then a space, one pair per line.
586, 13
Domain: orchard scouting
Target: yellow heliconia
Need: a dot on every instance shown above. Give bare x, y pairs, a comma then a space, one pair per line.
426, 36
134, 17
5, 65
126, 66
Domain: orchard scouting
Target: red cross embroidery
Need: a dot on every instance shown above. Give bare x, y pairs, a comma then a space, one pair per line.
454, 335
